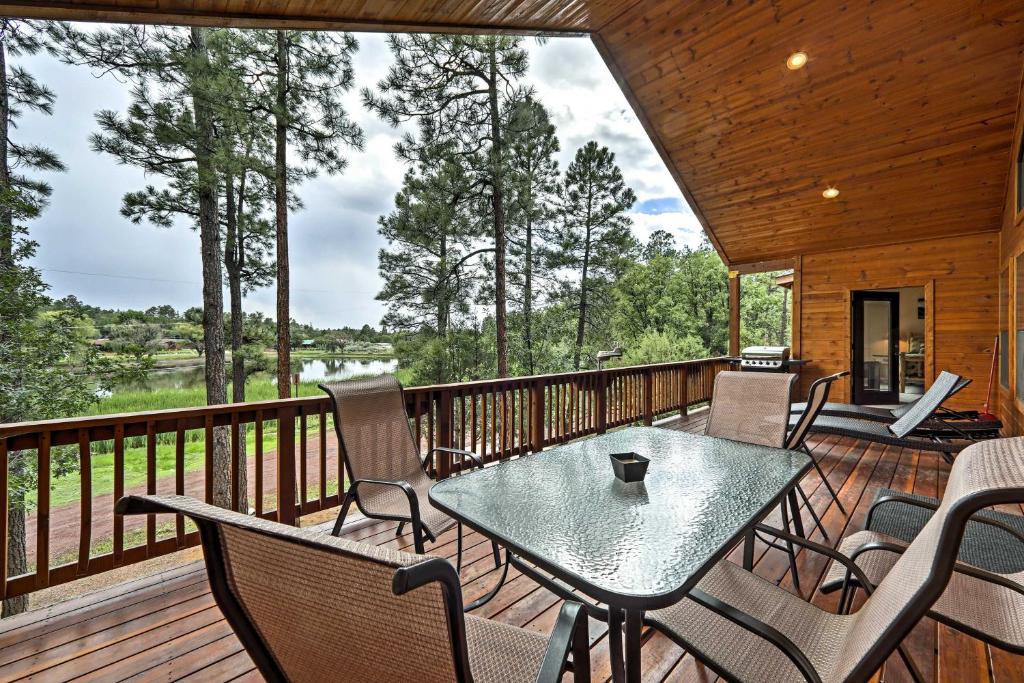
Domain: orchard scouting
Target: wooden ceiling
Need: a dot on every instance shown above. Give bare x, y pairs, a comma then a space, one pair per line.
906, 106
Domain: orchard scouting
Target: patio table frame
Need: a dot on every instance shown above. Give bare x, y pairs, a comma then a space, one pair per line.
622, 608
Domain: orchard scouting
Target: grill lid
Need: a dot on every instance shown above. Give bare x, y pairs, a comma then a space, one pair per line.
780, 353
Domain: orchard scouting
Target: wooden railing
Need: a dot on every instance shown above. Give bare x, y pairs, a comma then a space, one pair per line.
290, 455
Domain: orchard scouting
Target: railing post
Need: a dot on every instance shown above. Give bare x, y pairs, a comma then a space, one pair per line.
286, 465
602, 402
537, 416
648, 396
444, 432
684, 391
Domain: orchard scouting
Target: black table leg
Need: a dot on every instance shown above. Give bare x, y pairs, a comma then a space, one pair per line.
794, 506
615, 644
481, 601
634, 627
748, 551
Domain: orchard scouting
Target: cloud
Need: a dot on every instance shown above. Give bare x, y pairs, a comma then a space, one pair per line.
659, 205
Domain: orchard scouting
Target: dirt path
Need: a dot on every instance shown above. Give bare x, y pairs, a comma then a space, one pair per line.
65, 520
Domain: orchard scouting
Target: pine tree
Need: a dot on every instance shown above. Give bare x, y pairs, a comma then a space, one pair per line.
458, 86
533, 181
594, 240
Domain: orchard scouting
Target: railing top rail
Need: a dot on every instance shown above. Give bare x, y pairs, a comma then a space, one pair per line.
91, 421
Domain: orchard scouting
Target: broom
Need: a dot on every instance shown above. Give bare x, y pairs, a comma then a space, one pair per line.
985, 414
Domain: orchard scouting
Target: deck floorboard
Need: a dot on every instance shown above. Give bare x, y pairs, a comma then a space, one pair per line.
166, 627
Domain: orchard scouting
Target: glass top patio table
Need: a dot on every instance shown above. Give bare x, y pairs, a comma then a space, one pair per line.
635, 546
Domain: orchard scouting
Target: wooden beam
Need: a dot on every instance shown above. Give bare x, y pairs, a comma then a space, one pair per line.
734, 313
762, 266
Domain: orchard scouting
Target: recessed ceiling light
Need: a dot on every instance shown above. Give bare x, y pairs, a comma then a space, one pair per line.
830, 193
796, 60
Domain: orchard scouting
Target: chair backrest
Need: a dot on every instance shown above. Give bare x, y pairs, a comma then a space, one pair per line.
373, 428
901, 410
752, 407
944, 386
816, 399
308, 606
984, 474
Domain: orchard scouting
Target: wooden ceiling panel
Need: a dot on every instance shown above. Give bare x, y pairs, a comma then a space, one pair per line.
907, 106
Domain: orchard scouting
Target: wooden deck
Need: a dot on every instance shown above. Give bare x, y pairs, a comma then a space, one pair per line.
167, 627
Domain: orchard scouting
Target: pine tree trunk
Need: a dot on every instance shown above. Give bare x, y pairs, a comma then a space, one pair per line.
213, 296
17, 555
581, 324
498, 207
6, 214
281, 214
528, 296
234, 262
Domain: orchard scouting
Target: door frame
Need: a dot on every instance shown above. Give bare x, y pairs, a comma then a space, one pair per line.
861, 395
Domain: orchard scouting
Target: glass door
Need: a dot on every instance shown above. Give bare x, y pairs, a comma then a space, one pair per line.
876, 347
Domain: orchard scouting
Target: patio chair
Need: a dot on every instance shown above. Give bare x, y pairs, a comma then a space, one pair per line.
899, 432
753, 407
310, 607
985, 597
749, 629
387, 478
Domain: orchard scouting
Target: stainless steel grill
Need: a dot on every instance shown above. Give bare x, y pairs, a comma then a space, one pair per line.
766, 359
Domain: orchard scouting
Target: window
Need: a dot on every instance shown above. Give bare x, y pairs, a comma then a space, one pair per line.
1004, 329
1020, 175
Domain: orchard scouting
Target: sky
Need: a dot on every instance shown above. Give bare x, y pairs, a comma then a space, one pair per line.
88, 249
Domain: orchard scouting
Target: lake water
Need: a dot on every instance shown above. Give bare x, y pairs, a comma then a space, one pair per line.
309, 369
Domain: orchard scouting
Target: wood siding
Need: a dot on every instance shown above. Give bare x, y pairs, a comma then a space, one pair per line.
1011, 405
959, 277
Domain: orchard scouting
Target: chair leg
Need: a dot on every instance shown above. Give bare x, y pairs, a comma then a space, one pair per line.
824, 480
417, 536
915, 673
458, 553
497, 554
789, 545
581, 653
814, 515
401, 527
349, 497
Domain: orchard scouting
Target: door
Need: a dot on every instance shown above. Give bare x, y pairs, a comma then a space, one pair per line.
876, 347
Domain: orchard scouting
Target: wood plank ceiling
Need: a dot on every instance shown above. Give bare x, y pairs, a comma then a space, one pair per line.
906, 106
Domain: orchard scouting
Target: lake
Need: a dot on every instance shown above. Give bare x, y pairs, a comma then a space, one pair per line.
193, 376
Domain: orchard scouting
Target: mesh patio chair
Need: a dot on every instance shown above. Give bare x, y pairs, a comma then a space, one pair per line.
388, 479
310, 607
753, 407
749, 629
985, 596
899, 433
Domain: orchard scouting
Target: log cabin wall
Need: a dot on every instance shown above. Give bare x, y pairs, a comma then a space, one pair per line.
959, 275
1011, 274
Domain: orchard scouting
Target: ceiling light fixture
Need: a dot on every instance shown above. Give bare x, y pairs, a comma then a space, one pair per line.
830, 193
796, 60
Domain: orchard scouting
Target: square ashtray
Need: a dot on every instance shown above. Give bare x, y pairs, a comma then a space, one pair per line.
629, 467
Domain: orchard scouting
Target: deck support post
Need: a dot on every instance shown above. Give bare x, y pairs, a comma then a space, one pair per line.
286, 465
734, 313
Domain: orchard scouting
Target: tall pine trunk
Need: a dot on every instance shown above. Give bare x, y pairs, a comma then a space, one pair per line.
528, 293
498, 207
209, 237
281, 215
17, 558
234, 263
6, 213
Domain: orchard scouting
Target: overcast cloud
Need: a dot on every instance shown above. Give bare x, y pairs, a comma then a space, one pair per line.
88, 249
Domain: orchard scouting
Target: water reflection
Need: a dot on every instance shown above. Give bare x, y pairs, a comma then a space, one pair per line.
309, 369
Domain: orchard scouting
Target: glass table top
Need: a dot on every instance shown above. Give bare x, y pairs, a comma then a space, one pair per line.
644, 543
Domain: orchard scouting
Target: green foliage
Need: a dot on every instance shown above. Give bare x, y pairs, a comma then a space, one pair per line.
664, 346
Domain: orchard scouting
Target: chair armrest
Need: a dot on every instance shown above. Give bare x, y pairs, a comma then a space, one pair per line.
410, 492
477, 462
570, 618
850, 565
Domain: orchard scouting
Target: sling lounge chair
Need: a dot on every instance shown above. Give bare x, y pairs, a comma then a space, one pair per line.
310, 607
387, 478
887, 415
985, 597
898, 433
746, 628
